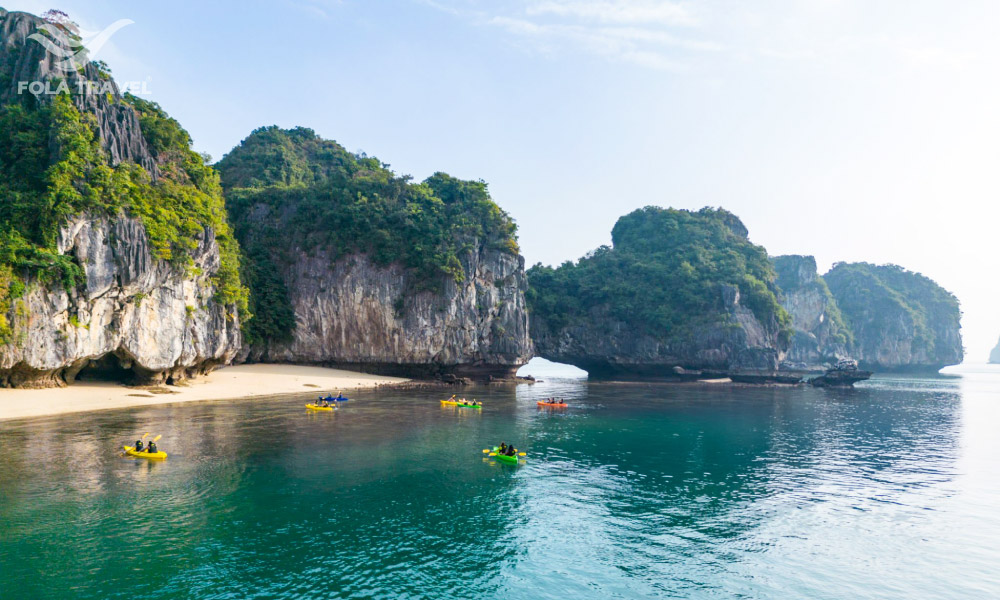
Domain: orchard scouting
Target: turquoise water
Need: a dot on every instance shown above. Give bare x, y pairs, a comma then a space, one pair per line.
636, 491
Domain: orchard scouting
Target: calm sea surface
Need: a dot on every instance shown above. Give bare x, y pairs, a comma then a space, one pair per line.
891, 490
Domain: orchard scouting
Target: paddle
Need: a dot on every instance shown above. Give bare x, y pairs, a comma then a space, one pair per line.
157, 438
142, 438
489, 452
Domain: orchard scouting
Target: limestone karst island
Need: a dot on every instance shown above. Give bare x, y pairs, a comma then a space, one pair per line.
621, 308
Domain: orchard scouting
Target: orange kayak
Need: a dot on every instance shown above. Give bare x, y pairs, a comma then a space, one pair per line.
553, 404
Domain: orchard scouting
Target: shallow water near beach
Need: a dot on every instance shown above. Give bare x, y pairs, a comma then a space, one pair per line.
891, 490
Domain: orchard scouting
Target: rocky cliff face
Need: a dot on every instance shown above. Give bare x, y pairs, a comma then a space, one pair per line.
901, 321
116, 261
135, 319
608, 347
25, 61
353, 313
821, 337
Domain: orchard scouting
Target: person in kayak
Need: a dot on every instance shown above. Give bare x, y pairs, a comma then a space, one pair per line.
503, 448
151, 448
511, 451
138, 445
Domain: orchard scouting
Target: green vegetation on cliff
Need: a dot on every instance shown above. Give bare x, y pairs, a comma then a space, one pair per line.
186, 199
290, 190
52, 168
664, 274
883, 302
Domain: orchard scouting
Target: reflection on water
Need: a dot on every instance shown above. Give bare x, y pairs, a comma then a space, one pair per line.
634, 491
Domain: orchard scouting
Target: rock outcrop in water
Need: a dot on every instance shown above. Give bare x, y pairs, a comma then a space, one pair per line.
352, 266
995, 355
900, 320
678, 289
821, 337
115, 256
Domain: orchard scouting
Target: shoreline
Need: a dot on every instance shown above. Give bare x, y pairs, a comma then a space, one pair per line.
227, 383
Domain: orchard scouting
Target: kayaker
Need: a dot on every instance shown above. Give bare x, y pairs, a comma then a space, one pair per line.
138, 445
151, 448
511, 451
503, 448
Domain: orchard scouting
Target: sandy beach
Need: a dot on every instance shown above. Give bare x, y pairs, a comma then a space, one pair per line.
241, 381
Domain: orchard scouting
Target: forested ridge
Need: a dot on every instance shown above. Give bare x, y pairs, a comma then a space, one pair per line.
289, 190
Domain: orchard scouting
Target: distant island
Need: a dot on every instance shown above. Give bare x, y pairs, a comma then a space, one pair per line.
995, 355
686, 291
677, 288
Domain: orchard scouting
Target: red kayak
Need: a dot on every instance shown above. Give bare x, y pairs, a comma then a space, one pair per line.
553, 404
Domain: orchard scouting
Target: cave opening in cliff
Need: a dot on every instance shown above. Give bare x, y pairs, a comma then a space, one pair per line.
106, 368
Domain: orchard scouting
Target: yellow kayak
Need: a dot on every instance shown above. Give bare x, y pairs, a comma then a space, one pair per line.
460, 404
312, 406
130, 450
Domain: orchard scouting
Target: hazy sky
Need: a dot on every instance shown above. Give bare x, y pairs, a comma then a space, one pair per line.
850, 130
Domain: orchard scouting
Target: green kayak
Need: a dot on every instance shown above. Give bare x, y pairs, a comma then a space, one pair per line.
510, 460
460, 405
